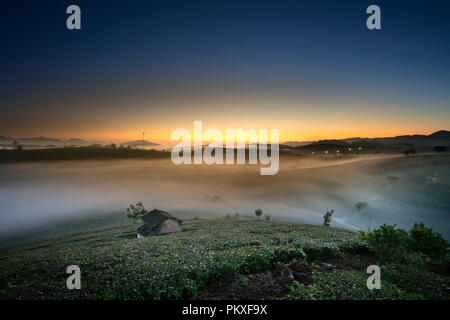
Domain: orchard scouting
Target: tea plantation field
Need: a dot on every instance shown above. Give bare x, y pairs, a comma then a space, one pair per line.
210, 259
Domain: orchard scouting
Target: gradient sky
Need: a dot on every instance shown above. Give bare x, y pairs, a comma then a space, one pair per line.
310, 69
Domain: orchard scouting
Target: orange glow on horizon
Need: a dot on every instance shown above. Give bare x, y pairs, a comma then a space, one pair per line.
163, 135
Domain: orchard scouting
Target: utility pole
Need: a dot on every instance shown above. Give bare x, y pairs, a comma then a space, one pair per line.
143, 139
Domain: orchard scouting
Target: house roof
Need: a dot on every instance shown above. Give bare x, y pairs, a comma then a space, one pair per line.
155, 217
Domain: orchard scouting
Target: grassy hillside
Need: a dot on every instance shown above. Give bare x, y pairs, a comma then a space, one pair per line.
218, 258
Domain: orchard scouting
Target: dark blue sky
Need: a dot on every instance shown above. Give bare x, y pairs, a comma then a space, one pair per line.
153, 55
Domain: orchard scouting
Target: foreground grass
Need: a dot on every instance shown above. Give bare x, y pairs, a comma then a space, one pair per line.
116, 265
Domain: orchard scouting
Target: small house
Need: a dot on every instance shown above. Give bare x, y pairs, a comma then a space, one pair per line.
158, 222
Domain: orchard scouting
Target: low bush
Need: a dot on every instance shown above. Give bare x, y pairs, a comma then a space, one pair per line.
393, 243
387, 240
427, 241
418, 281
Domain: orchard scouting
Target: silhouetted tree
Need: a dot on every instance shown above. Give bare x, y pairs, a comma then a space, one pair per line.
327, 217
392, 179
409, 151
440, 149
361, 205
16, 145
136, 211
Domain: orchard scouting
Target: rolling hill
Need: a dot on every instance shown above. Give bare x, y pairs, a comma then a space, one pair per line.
139, 143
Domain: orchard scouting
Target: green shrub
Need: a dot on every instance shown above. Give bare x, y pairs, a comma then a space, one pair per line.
427, 241
418, 281
390, 242
346, 285
387, 240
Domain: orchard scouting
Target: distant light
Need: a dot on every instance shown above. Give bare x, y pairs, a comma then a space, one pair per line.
326, 151
337, 151
349, 149
359, 148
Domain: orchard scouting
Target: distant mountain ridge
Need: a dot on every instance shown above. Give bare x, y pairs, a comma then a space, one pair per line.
440, 134
45, 142
441, 137
42, 141
417, 140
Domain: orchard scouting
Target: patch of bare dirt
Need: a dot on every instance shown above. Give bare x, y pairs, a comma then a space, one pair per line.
274, 283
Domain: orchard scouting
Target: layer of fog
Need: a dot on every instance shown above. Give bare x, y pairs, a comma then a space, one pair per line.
35, 194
